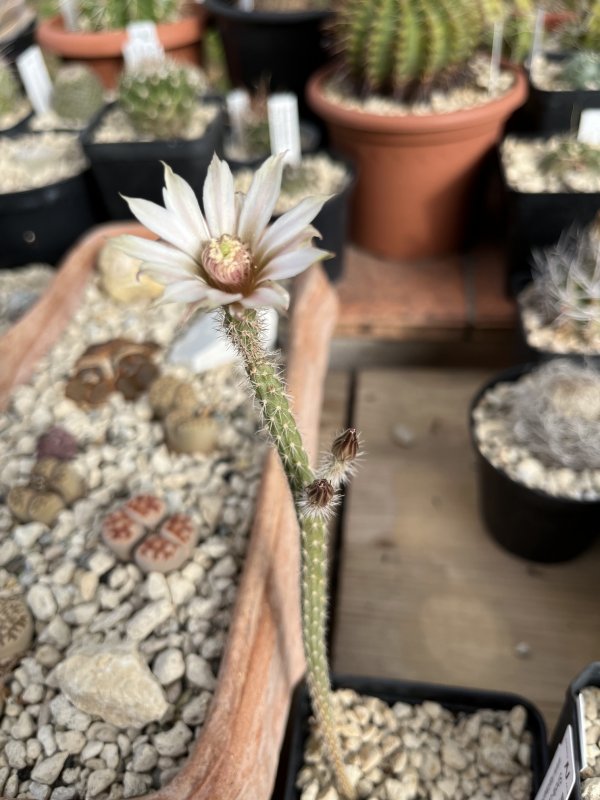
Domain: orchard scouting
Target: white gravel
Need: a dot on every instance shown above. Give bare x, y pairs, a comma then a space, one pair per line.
591, 774
520, 159
29, 161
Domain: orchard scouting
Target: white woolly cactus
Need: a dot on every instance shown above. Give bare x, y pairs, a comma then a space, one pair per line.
555, 414
566, 279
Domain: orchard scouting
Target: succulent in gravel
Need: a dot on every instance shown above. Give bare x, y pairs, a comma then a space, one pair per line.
57, 443
570, 155
77, 93
52, 486
555, 414
582, 71
159, 98
566, 279
10, 90
100, 15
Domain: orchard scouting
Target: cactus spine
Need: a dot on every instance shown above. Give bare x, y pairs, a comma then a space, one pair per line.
245, 334
159, 98
77, 93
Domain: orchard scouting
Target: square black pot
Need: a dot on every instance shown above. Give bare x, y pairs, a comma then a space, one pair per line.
134, 169
392, 691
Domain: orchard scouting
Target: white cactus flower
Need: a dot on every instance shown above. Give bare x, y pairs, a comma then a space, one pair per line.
229, 255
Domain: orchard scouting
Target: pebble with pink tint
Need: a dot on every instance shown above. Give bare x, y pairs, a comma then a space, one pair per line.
132, 531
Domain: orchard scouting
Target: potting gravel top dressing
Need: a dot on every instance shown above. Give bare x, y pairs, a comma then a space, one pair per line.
590, 775
30, 161
114, 688
523, 162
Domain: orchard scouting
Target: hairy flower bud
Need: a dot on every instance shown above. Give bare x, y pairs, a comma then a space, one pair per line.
319, 493
345, 446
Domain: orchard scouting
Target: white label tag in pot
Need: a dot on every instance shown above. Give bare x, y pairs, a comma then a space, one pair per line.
246, 5
142, 45
560, 777
496, 56
284, 127
34, 74
69, 10
538, 37
589, 126
238, 103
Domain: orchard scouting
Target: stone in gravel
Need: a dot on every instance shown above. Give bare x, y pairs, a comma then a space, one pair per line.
38, 791
99, 780
41, 602
33, 694
67, 715
100, 562
181, 589
16, 754
81, 614
198, 672
517, 719
47, 655
58, 632
24, 726
497, 758
169, 666
16, 627
454, 756
34, 750
157, 586
148, 619
173, 742
27, 535
4, 772
194, 711
110, 755
114, 683
135, 784
70, 741
88, 583
591, 789
47, 739
48, 770
64, 793
91, 750
145, 758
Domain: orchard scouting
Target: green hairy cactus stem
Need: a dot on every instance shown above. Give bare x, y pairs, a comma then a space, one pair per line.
77, 93
10, 91
100, 15
570, 155
245, 334
159, 98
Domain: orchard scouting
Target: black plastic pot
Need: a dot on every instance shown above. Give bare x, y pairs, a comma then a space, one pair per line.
551, 112
528, 522
134, 169
569, 715
21, 127
393, 691
284, 48
536, 219
42, 224
310, 139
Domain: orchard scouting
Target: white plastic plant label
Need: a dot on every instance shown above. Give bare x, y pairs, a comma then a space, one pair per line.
496, 56
142, 45
34, 74
538, 37
284, 127
238, 103
581, 730
246, 5
589, 126
69, 10
560, 777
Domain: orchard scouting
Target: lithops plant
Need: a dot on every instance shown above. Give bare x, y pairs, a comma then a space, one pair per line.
119, 278
168, 393
555, 414
16, 628
159, 98
100, 15
77, 93
57, 443
53, 485
566, 279
191, 430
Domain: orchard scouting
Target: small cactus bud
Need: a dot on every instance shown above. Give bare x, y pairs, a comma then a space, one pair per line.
319, 493
345, 446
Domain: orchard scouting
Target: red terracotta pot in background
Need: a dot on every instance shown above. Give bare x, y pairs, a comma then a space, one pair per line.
416, 173
101, 50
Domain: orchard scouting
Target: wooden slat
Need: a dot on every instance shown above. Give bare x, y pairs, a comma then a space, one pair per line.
425, 593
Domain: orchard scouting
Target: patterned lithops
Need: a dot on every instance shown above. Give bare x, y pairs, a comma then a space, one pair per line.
57, 443
168, 393
191, 431
53, 485
141, 530
119, 277
16, 628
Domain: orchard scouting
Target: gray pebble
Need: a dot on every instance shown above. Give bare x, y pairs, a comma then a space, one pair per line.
169, 666
99, 780
198, 672
16, 754
173, 742
145, 758
48, 770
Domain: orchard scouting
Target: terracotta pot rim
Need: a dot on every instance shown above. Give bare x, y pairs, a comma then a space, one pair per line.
413, 123
224, 9
85, 44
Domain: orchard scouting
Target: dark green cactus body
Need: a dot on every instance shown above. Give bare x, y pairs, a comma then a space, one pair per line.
77, 93
160, 98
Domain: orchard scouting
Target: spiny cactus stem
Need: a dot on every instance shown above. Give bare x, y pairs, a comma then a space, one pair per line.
245, 334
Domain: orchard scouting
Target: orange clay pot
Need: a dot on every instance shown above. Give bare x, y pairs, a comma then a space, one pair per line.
416, 174
101, 50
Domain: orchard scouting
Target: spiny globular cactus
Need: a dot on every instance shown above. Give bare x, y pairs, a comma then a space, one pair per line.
582, 71
159, 98
100, 15
77, 93
10, 91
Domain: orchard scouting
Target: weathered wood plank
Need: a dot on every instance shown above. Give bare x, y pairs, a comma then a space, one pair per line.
424, 591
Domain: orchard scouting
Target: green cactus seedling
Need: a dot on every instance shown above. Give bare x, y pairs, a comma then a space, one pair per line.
159, 98
570, 156
77, 93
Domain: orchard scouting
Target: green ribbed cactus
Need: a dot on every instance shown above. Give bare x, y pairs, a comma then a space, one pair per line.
10, 90
159, 98
77, 93
99, 15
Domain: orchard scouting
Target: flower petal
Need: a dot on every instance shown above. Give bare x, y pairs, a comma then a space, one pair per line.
189, 291
260, 201
293, 263
165, 273
181, 200
268, 294
154, 252
218, 198
285, 229
165, 224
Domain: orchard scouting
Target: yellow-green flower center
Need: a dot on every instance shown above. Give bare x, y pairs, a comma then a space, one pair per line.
228, 265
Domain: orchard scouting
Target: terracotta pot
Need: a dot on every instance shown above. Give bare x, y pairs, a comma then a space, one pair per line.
556, 19
102, 50
416, 174
237, 752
